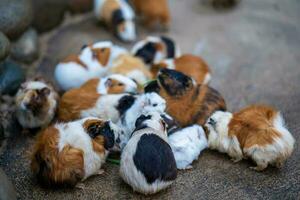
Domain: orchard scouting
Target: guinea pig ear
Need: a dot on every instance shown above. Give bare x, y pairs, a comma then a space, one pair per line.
164, 124
108, 83
139, 121
83, 47
45, 91
152, 87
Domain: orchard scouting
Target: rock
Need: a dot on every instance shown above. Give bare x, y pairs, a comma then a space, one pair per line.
7, 190
26, 48
15, 17
4, 46
48, 14
11, 77
80, 6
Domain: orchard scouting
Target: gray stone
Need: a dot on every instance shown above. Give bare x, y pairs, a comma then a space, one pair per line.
15, 17
11, 77
48, 14
7, 190
26, 48
4, 46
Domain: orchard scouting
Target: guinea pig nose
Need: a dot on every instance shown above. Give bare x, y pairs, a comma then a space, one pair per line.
212, 122
118, 140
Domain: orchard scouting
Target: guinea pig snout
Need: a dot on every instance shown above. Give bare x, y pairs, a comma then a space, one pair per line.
212, 122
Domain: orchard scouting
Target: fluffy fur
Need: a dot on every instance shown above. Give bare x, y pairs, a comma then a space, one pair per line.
131, 67
153, 11
65, 154
187, 145
144, 103
257, 132
93, 61
118, 16
36, 103
187, 102
188, 64
154, 49
147, 161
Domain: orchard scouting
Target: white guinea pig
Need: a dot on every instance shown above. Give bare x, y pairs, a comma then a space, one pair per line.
147, 161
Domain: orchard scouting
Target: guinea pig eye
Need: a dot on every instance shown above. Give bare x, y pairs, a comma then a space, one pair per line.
155, 104
120, 84
102, 50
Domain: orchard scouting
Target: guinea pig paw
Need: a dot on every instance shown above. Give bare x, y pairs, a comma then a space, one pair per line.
258, 168
235, 160
80, 186
100, 172
188, 167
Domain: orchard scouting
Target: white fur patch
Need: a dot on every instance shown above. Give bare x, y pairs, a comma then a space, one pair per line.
207, 78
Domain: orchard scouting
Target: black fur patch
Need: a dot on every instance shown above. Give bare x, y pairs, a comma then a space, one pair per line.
152, 87
105, 131
83, 46
155, 159
125, 103
147, 52
173, 125
170, 46
117, 17
139, 121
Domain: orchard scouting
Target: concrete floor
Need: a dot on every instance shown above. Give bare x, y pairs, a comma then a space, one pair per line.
254, 53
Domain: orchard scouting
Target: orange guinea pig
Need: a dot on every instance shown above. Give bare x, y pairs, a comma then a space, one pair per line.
153, 11
188, 64
257, 132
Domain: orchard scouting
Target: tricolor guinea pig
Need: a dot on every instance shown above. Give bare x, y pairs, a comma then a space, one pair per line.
147, 161
153, 12
36, 103
112, 84
188, 64
187, 102
132, 67
257, 132
67, 153
76, 104
119, 16
143, 103
154, 49
187, 144
93, 61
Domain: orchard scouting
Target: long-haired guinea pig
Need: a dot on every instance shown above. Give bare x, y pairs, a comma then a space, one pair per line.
188, 64
147, 161
132, 67
143, 103
118, 16
187, 102
76, 104
36, 103
67, 153
257, 132
187, 144
112, 84
153, 12
154, 49
93, 61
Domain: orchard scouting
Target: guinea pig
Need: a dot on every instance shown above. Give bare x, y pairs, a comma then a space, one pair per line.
76, 104
93, 61
119, 16
153, 12
147, 161
112, 84
187, 102
257, 132
188, 64
154, 49
132, 67
143, 103
36, 103
66, 153
187, 144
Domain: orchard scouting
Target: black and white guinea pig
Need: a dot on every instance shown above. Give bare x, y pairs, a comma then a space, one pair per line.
119, 16
155, 49
147, 161
36, 103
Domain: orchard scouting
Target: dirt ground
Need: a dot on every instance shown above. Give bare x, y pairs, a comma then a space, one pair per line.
254, 53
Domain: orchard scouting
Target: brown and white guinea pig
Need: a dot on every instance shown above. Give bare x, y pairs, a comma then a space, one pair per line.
36, 103
257, 132
188, 64
154, 49
93, 61
153, 11
147, 161
67, 153
119, 16
187, 102
132, 67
